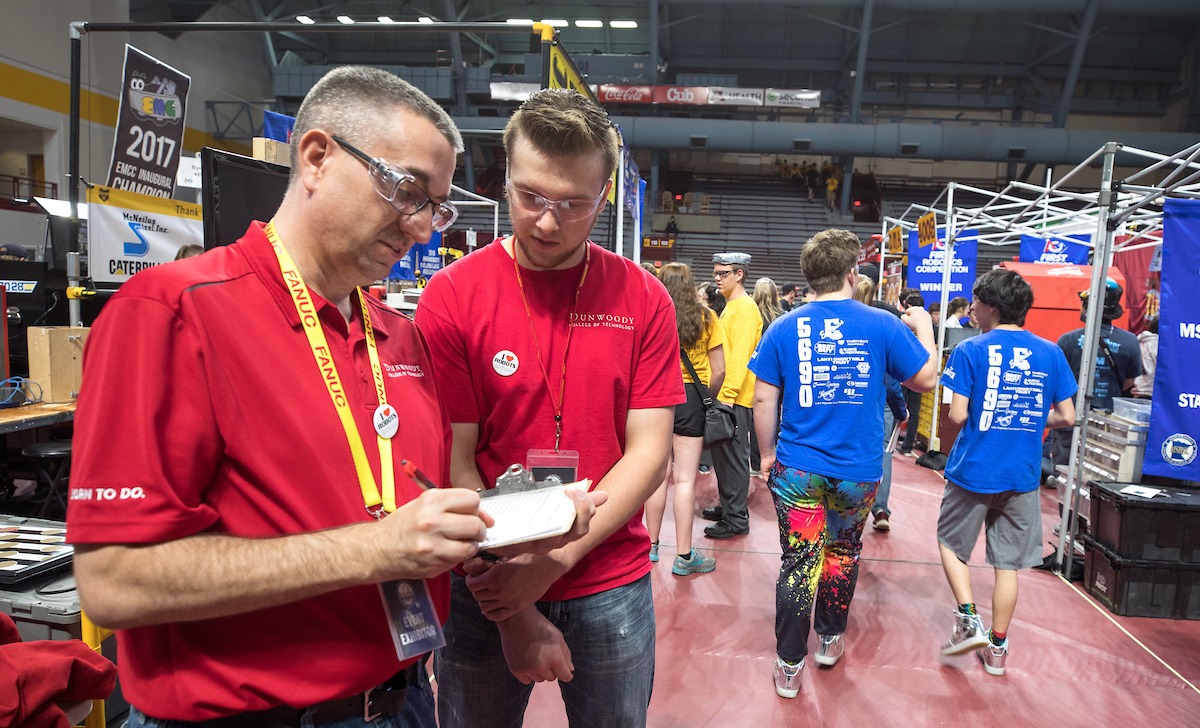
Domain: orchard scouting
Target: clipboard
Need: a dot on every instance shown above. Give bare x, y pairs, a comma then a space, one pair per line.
525, 510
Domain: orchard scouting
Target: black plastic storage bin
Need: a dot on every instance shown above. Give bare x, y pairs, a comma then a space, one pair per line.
1141, 588
1163, 528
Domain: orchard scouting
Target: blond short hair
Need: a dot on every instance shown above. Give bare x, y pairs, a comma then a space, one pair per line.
560, 122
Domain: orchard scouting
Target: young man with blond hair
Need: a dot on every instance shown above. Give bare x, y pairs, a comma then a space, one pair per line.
830, 357
534, 353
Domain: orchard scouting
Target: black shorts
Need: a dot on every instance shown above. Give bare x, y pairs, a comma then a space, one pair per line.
689, 418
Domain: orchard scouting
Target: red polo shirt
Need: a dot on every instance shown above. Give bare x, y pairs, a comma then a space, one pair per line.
623, 354
202, 410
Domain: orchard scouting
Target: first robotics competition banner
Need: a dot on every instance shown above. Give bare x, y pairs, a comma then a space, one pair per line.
150, 120
925, 265
1175, 411
128, 232
421, 261
1056, 250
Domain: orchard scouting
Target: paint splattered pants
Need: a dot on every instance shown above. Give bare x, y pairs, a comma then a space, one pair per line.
820, 529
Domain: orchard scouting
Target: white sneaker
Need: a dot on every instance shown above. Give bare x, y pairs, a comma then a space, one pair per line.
993, 657
969, 635
787, 678
830, 649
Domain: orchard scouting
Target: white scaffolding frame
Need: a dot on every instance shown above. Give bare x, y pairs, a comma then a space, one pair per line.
1021, 208
475, 200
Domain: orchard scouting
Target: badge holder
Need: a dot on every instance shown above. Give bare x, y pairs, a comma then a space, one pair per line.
550, 465
411, 617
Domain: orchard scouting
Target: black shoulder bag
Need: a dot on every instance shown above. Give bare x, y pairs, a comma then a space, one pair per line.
719, 423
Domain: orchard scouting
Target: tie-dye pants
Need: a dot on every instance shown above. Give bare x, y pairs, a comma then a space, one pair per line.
820, 529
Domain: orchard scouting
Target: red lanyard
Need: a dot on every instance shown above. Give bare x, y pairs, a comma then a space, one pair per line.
562, 385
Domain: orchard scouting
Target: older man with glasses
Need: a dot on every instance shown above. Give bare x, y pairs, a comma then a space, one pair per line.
561, 356
731, 459
235, 503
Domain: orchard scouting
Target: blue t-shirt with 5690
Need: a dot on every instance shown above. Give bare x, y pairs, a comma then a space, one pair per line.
830, 357
1012, 378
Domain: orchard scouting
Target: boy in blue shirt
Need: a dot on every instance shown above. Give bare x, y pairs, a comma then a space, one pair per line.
1009, 385
830, 357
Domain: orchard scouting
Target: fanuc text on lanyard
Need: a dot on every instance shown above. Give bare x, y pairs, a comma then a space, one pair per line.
386, 419
562, 385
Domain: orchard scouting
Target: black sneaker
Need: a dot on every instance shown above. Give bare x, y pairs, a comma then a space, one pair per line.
722, 529
712, 514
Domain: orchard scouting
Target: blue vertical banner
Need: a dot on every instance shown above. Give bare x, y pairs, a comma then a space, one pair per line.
1056, 249
1175, 412
422, 257
925, 264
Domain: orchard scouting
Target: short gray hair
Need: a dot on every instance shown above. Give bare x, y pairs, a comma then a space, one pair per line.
346, 102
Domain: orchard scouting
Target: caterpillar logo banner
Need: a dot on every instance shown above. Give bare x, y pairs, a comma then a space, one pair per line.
150, 121
128, 232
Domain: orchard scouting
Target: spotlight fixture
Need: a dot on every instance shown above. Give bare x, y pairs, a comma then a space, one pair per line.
305, 20
345, 20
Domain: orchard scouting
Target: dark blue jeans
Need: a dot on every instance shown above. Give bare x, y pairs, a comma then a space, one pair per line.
418, 713
611, 638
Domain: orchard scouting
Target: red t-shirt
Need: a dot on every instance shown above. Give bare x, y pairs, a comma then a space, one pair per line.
623, 354
202, 410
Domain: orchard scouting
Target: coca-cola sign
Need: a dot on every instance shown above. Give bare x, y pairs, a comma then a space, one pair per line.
681, 95
625, 94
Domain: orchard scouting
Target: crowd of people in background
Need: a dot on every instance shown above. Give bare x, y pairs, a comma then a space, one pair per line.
821, 182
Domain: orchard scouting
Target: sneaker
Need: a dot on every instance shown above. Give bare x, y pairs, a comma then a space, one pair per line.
724, 530
993, 656
698, 564
830, 650
712, 514
653, 552
969, 634
881, 521
787, 678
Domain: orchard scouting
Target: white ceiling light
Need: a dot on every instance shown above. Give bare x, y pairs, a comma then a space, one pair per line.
425, 19
305, 20
623, 23
345, 19
556, 23
589, 23
519, 21
385, 19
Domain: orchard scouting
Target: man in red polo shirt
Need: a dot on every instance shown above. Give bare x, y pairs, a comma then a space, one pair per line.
543, 341
235, 501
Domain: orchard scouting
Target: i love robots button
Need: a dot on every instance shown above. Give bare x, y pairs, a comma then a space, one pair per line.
505, 363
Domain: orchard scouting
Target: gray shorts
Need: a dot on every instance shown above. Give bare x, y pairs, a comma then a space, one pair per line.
1014, 525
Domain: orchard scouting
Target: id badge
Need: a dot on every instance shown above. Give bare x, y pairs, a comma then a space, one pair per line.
411, 617
547, 464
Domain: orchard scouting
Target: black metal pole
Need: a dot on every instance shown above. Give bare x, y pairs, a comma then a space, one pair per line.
73, 150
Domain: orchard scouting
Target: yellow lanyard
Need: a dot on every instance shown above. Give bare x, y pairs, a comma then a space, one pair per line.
333, 383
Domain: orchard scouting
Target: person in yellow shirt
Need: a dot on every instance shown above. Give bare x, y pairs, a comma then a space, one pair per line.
702, 338
731, 459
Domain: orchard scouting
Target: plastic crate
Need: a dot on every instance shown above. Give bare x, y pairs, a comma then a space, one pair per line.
44, 609
1134, 410
1164, 528
1133, 588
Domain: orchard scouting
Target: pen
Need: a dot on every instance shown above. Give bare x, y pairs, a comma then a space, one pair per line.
418, 477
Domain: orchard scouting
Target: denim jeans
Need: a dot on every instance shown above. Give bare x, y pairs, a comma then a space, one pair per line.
611, 638
820, 529
418, 712
885, 484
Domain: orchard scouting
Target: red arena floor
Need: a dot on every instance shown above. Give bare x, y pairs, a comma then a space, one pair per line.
1072, 663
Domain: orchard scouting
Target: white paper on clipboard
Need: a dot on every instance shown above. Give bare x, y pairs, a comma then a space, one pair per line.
530, 515
891, 443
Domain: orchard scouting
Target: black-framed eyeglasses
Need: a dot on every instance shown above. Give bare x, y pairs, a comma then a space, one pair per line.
399, 187
530, 201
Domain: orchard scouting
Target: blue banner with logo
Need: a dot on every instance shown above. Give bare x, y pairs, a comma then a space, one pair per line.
925, 265
278, 126
1175, 412
1055, 249
422, 258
